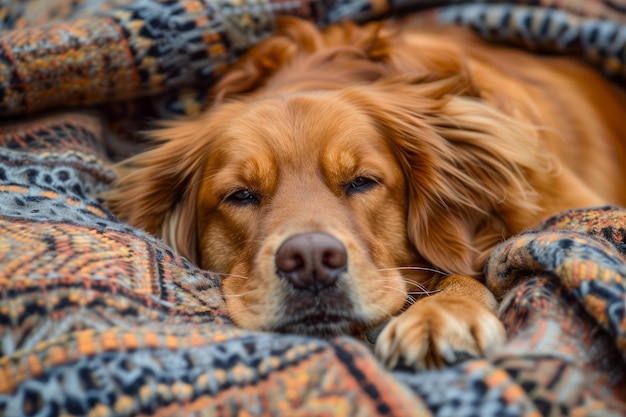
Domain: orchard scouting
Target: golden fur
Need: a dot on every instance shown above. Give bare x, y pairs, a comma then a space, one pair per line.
415, 148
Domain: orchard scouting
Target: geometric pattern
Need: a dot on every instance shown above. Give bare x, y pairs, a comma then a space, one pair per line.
99, 318
97, 52
601, 41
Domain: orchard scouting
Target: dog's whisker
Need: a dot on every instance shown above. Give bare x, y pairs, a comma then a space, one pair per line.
409, 298
422, 283
414, 268
410, 283
243, 294
224, 275
423, 292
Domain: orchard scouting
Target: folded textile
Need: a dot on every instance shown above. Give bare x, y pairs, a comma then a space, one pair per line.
100, 318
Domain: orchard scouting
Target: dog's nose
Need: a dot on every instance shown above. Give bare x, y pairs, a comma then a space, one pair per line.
311, 261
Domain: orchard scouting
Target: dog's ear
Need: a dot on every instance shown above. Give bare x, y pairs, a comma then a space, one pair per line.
292, 36
156, 190
299, 46
466, 164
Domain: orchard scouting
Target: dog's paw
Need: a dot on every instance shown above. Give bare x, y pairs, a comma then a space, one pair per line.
439, 331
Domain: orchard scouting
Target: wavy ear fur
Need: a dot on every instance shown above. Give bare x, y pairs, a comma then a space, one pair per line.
466, 163
157, 189
298, 54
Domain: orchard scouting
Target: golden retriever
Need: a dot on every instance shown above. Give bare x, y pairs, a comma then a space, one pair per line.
340, 172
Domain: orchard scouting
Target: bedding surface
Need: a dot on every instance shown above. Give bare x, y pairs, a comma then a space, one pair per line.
98, 318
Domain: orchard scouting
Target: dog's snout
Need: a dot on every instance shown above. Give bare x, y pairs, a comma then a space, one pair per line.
311, 261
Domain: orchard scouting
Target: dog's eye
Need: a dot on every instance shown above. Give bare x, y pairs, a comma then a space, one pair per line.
243, 198
359, 185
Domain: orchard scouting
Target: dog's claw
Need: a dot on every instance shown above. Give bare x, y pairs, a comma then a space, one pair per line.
433, 333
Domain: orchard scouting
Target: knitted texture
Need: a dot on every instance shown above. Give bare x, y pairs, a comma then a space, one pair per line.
99, 318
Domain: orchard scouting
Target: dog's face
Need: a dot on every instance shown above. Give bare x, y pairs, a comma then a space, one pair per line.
307, 221
321, 191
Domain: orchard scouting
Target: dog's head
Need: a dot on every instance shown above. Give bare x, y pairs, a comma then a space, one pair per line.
324, 169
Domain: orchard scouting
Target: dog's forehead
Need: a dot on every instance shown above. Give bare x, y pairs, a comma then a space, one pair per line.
301, 126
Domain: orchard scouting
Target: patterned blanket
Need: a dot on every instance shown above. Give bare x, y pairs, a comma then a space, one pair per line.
98, 318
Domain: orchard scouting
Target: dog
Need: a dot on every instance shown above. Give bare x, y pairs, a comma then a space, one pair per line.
347, 177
